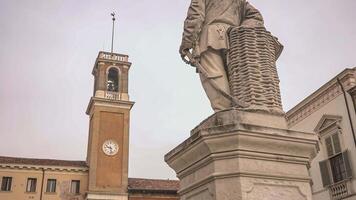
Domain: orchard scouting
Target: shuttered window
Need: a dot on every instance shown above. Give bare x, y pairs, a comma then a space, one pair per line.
345, 156
335, 169
51, 185
332, 144
338, 168
329, 146
336, 143
31, 185
75, 187
6, 183
325, 173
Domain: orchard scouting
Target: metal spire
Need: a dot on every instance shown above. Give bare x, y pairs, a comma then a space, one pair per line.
112, 34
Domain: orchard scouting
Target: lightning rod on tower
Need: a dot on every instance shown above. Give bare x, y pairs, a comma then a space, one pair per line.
112, 34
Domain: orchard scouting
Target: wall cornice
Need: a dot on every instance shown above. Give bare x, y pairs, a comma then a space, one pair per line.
321, 97
47, 168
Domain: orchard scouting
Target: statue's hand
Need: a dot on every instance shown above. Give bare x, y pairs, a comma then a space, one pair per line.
184, 50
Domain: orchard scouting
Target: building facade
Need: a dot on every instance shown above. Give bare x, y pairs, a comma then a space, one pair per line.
330, 113
104, 174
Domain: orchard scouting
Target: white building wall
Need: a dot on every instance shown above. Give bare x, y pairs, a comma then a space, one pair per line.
334, 107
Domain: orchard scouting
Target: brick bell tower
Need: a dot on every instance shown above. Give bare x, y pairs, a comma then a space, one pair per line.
109, 113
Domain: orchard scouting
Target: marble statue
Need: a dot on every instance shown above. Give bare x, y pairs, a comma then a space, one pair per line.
235, 55
244, 150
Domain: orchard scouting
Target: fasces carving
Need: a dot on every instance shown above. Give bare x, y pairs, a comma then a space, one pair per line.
252, 69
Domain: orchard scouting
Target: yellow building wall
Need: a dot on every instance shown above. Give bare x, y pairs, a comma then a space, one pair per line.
64, 178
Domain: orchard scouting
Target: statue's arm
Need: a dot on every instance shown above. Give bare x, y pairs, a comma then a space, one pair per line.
193, 23
251, 17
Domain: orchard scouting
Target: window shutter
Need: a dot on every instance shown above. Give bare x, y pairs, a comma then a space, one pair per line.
9, 184
329, 146
325, 176
336, 142
2, 184
345, 156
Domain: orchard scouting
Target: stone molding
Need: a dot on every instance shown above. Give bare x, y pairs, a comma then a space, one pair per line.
103, 59
321, 97
47, 168
108, 103
242, 154
328, 124
245, 128
352, 91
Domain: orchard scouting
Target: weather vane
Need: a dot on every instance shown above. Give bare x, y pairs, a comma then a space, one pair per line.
112, 34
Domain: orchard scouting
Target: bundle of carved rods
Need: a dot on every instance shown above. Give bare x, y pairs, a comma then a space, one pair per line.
252, 68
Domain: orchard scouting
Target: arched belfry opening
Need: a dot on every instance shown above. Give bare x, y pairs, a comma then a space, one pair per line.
111, 76
112, 83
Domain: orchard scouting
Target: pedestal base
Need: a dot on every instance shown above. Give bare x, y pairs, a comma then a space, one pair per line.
238, 155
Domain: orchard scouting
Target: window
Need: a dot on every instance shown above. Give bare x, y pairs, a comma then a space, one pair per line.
6, 183
335, 169
31, 185
75, 187
51, 185
338, 168
113, 80
333, 145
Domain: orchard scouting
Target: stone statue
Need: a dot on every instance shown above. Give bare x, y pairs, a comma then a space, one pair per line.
235, 55
236, 59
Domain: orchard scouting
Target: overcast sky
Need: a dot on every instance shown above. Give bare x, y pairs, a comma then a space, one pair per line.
48, 48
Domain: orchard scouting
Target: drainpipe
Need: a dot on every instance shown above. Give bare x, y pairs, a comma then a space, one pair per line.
348, 110
352, 93
42, 183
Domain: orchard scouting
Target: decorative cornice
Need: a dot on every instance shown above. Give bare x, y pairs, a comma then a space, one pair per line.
108, 102
352, 91
321, 97
111, 58
321, 126
43, 167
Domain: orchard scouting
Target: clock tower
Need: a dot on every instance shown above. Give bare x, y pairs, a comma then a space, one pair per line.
109, 113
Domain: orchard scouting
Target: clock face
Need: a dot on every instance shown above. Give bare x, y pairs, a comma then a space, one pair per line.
110, 147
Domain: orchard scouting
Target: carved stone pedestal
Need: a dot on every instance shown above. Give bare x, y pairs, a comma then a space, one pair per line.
242, 155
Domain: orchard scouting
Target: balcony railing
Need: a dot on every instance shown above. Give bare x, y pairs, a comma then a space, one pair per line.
113, 56
340, 190
112, 95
